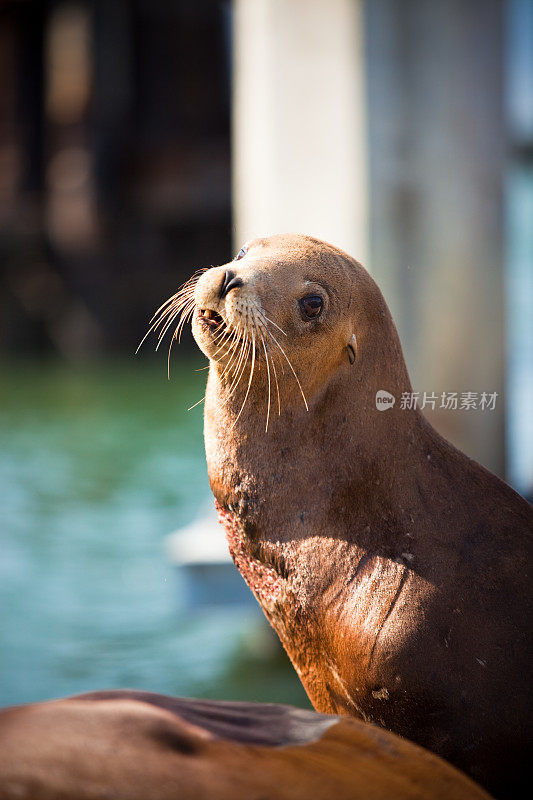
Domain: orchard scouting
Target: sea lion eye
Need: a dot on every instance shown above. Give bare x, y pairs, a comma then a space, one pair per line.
311, 306
240, 254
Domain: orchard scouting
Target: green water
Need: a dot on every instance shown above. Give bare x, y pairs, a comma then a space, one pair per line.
98, 464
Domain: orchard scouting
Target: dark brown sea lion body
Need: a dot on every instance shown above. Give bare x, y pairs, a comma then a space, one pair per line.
393, 568
143, 746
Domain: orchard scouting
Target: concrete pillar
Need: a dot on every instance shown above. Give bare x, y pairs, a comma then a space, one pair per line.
436, 169
299, 137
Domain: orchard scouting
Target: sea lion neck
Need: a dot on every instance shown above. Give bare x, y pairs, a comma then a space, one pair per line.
288, 483
317, 490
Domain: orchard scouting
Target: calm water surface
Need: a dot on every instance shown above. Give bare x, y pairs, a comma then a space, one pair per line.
98, 464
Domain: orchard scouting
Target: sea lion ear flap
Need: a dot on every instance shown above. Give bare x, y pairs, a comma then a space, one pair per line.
352, 348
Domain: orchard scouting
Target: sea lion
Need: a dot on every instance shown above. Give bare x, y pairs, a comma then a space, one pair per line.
144, 746
391, 565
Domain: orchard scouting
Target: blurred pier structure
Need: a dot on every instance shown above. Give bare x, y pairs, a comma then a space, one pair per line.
437, 169
114, 165
400, 130
299, 141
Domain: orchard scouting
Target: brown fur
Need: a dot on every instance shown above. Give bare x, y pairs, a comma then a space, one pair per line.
142, 746
393, 567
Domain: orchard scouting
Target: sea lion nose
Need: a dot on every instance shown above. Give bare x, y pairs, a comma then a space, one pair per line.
229, 281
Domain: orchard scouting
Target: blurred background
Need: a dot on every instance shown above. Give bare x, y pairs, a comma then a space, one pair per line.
141, 140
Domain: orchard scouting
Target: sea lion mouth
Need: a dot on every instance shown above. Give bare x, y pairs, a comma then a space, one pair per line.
211, 319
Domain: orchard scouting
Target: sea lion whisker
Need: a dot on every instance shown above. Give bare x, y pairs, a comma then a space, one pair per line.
291, 367
262, 313
157, 322
264, 323
268, 375
197, 403
233, 359
185, 291
184, 318
221, 338
164, 314
193, 278
265, 320
227, 337
172, 313
189, 286
143, 340
233, 349
177, 334
184, 308
184, 302
232, 337
163, 309
218, 338
162, 306
170, 304
233, 363
166, 327
249, 381
240, 368
172, 340
276, 379
169, 352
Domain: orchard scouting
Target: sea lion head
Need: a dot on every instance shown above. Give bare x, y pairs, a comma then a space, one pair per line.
299, 311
